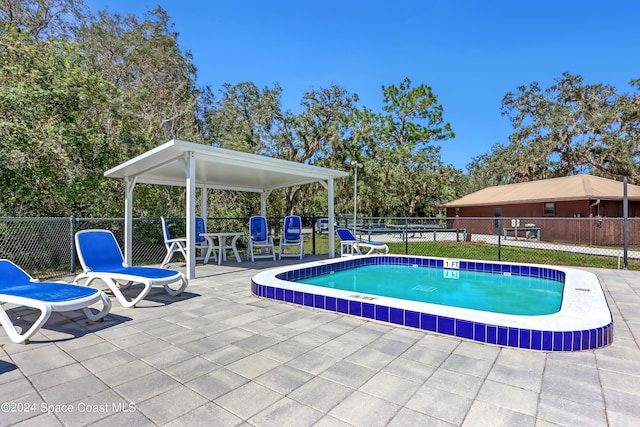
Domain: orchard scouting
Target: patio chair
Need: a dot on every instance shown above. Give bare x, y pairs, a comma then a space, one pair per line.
259, 238
349, 245
179, 244
291, 237
102, 259
18, 288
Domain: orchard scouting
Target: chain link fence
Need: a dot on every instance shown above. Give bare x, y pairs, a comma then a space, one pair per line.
44, 246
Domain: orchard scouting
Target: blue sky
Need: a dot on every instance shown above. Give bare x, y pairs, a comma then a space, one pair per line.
470, 52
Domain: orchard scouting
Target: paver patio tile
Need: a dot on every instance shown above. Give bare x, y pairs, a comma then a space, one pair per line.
286, 412
440, 404
362, 409
248, 399
565, 412
321, 394
171, 404
284, 379
509, 397
348, 373
391, 388
216, 383
208, 412
408, 417
482, 414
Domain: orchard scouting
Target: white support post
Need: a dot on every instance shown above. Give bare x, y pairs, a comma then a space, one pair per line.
332, 218
263, 202
129, 185
190, 168
204, 194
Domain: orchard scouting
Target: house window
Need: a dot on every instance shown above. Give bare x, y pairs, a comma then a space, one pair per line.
457, 211
549, 208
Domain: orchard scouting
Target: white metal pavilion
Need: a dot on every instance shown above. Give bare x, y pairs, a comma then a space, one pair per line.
190, 165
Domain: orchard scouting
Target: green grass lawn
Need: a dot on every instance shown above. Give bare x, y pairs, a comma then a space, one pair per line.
483, 251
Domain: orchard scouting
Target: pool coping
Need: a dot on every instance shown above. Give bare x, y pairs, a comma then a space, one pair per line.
583, 322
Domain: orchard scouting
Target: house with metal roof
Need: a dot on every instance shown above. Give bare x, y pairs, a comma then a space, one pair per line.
577, 196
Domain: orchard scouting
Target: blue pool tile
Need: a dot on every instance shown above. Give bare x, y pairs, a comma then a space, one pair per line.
446, 325
396, 315
525, 338
428, 322
600, 335
557, 341
584, 345
298, 297
288, 295
382, 313
308, 299
279, 294
343, 305
513, 337
567, 341
536, 340
503, 335
332, 303
318, 301
368, 310
480, 332
547, 340
271, 292
412, 318
355, 308
464, 329
592, 338
492, 334
577, 341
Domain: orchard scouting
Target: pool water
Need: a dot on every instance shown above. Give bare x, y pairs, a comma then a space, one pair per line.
497, 293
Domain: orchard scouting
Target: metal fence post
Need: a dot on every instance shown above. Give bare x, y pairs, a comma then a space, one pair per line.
499, 238
406, 236
72, 228
625, 226
313, 233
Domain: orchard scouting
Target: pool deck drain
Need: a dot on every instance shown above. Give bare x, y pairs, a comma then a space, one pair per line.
219, 355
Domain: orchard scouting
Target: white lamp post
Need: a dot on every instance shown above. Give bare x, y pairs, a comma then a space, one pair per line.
356, 166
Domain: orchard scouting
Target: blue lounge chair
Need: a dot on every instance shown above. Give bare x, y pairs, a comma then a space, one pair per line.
259, 238
102, 259
291, 236
349, 245
18, 288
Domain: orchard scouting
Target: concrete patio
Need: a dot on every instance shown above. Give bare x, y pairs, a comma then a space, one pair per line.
220, 356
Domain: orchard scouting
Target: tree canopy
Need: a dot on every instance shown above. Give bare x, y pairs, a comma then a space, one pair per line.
81, 93
568, 128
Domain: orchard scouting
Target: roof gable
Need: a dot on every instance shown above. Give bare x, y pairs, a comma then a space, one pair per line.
575, 187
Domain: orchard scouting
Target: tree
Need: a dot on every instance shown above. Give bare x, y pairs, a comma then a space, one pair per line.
403, 173
52, 110
41, 19
568, 128
155, 79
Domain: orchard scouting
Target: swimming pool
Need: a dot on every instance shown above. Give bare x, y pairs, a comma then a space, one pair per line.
583, 322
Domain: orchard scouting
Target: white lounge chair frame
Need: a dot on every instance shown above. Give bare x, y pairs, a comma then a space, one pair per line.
349, 245
11, 294
122, 276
